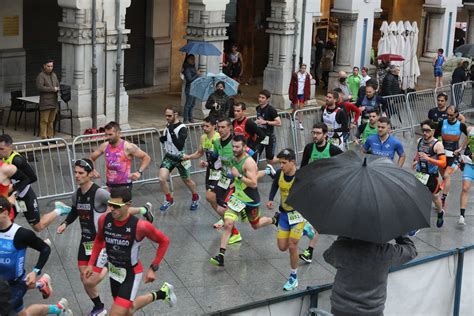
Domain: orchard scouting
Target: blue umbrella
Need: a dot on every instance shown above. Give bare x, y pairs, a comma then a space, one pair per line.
203, 87
200, 48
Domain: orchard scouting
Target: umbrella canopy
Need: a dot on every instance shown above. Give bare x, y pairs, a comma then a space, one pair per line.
406, 66
390, 57
414, 61
383, 45
200, 48
203, 87
366, 198
392, 38
400, 46
467, 50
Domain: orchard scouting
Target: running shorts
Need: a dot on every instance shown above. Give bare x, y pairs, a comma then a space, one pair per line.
433, 183
18, 290
84, 254
32, 213
468, 173
210, 184
269, 149
251, 213
285, 230
124, 293
170, 163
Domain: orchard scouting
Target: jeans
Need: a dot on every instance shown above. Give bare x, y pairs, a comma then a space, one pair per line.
188, 107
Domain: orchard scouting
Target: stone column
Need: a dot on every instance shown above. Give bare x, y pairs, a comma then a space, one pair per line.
206, 22
470, 23
277, 74
75, 34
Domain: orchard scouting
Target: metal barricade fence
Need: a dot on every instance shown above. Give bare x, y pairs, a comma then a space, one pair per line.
308, 116
463, 96
52, 165
147, 139
447, 89
398, 111
420, 102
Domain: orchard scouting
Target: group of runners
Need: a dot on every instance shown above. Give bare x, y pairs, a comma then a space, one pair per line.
111, 233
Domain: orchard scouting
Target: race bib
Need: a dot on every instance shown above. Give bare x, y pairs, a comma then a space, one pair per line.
218, 163
449, 153
224, 182
186, 164
294, 218
116, 273
235, 204
423, 177
102, 259
88, 247
265, 141
214, 174
21, 206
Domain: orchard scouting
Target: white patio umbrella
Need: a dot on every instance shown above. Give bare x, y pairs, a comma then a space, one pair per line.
392, 38
408, 54
415, 67
383, 46
400, 48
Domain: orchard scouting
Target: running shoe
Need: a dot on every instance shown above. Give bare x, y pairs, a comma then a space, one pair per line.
461, 220
291, 284
63, 304
413, 233
234, 239
269, 170
149, 212
170, 297
101, 311
301, 126
63, 208
165, 206
440, 220
217, 261
306, 256
308, 229
46, 288
277, 218
219, 224
195, 204
47, 241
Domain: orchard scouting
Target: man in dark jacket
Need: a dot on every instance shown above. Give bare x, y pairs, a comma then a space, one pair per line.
190, 74
390, 84
219, 103
360, 285
460, 73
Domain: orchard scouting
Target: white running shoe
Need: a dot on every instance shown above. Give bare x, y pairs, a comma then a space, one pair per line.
461, 220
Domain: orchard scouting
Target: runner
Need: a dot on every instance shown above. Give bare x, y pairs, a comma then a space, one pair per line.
244, 126
383, 144
371, 100
335, 118
320, 148
118, 162
223, 148
267, 120
245, 200
430, 157
14, 240
89, 202
440, 113
350, 108
291, 224
369, 128
450, 130
468, 173
7, 171
60, 308
174, 139
22, 190
206, 147
122, 234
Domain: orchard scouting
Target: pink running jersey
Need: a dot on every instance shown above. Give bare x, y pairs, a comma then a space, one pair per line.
117, 164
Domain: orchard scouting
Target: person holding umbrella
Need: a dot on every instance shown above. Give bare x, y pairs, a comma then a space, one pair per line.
219, 103
430, 157
190, 74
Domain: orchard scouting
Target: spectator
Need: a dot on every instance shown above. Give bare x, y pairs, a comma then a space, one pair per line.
47, 84
371, 100
354, 81
327, 62
318, 55
342, 84
382, 71
234, 63
360, 284
460, 73
190, 74
267, 120
438, 62
391, 83
365, 76
299, 91
352, 111
219, 103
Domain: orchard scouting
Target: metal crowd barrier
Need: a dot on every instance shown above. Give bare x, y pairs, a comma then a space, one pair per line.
52, 165
310, 115
147, 139
420, 102
463, 96
398, 111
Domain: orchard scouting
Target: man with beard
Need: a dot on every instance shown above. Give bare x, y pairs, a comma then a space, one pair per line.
320, 147
335, 118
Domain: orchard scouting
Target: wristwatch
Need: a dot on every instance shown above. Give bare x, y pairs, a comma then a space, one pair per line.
140, 171
154, 267
240, 176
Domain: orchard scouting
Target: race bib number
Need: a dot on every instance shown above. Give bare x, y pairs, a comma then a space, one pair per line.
449, 153
423, 177
186, 164
88, 247
102, 259
117, 274
294, 218
235, 204
265, 141
214, 174
21, 206
224, 182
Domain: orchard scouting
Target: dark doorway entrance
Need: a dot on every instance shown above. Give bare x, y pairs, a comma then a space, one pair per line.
134, 61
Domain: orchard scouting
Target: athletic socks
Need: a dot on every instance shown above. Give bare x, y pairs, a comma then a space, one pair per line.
195, 197
54, 310
97, 302
221, 252
234, 231
158, 295
310, 249
440, 214
463, 210
293, 273
168, 197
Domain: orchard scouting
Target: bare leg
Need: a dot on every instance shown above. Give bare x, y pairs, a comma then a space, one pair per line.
263, 221
119, 311
293, 248
90, 285
163, 177
211, 198
437, 202
227, 231
466, 186
191, 185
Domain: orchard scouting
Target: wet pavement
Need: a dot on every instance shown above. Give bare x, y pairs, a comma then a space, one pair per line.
255, 268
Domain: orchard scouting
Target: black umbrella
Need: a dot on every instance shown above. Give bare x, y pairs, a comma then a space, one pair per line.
467, 50
367, 198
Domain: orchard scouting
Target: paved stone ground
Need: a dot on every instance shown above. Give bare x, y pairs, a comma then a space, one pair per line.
255, 269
